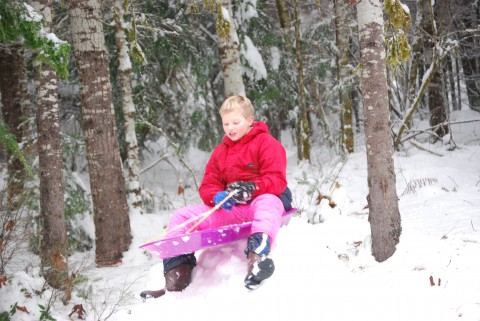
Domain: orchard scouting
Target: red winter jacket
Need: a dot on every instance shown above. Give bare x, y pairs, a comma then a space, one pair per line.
257, 157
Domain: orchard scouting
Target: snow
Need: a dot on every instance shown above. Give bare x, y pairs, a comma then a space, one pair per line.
257, 70
405, 8
248, 9
324, 271
369, 12
275, 57
53, 38
31, 14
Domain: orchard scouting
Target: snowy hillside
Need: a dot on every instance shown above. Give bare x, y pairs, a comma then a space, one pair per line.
324, 271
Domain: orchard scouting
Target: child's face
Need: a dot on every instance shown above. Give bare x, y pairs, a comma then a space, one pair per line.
235, 125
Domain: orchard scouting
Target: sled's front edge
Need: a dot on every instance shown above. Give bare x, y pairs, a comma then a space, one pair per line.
192, 242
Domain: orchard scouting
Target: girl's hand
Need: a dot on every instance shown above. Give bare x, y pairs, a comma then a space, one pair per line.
220, 196
244, 191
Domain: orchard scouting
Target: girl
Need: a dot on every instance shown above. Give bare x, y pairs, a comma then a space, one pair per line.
252, 163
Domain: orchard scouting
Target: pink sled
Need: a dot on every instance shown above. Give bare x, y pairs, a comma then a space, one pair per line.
171, 246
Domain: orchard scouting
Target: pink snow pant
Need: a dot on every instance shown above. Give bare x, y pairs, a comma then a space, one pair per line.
265, 212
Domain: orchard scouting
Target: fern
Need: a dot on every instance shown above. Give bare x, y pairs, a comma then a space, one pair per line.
7, 139
418, 183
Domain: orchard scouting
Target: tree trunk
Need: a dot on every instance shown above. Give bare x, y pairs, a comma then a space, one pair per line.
436, 103
459, 80
342, 20
285, 22
384, 215
304, 136
53, 250
228, 48
469, 47
125, 71
451, 81
414, 69
112, 223
13, 88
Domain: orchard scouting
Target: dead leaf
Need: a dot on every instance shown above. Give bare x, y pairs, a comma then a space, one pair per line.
10, 225
3, 280
23, 309
180, 190
78, 309
57, 260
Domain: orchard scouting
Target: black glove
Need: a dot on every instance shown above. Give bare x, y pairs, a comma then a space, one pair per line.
244, 192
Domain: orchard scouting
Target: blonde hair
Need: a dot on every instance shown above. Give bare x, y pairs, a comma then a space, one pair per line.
237, 103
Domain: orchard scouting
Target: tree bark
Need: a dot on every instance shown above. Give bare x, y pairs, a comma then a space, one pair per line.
112, 223
229, 51
384, 215
15, 103
129, 112
345, 89
469, 47
53, 250
304, 136
285, 22
436, 101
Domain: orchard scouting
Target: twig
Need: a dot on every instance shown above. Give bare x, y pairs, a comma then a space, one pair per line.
113, 298
431, 129
338, 174
164, 156
436, 61
176, 147
445, 235
417, 145
214, 38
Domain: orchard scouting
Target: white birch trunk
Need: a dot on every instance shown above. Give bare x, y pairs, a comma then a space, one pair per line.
229, 50
384, 215
125, 70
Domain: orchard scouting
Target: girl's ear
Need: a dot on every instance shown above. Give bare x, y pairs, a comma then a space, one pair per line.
250, 119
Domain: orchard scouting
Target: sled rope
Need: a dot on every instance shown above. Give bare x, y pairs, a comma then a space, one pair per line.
192, 219
200, 218
213, 209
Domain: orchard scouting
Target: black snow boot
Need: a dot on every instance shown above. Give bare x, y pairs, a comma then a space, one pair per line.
260, 266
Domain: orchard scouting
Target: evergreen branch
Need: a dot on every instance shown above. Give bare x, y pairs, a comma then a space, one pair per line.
20, 21
7, 139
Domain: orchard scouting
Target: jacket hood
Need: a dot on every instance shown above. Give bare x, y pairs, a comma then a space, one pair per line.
257, 128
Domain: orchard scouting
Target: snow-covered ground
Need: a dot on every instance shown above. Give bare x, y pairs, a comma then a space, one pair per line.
324, 271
